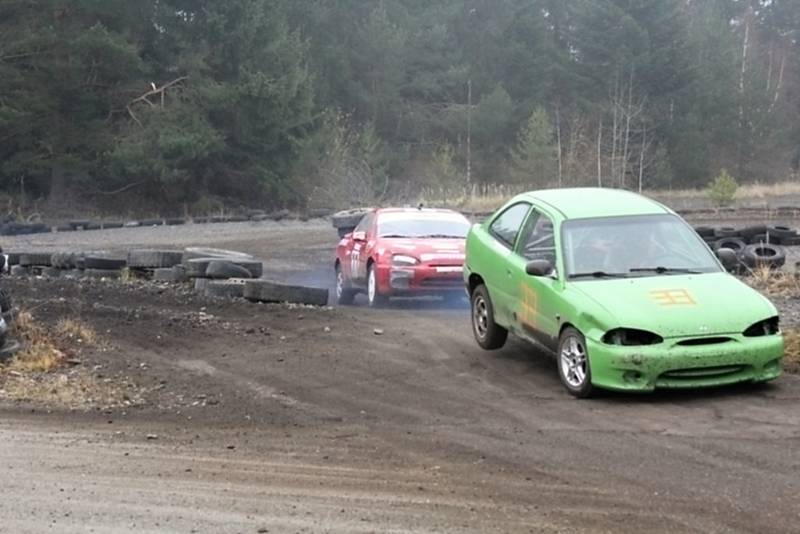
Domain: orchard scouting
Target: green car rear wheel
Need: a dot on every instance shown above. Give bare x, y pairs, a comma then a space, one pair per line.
488, 334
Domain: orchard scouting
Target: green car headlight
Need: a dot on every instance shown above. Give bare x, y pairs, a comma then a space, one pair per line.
767, 327
403, 260
631, 337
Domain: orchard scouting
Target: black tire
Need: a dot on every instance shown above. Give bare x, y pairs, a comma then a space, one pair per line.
82, 223
782, 232
764, 255
12, 258
154, 259
734, 243
112, 225
265, 291
345, 294
205, 252
726, 231
151, 222
224, 289
103, 263
748, 232
574, 368
704, 231
488, 334
19, 270
348, 218
222, 269
374, 298
44, 259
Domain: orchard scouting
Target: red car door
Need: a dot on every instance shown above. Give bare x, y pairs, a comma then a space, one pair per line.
357, 250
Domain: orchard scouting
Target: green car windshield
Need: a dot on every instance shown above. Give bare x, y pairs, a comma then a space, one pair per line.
639, 245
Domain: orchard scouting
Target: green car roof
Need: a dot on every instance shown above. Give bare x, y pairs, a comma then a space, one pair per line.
587, 202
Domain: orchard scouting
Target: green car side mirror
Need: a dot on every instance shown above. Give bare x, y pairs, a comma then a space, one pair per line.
539, 268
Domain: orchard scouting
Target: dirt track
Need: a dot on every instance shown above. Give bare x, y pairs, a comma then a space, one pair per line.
265, 421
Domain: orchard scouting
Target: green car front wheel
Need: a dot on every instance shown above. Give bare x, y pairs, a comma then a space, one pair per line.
573, 363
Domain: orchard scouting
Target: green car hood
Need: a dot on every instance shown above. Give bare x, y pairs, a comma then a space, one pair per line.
676, 306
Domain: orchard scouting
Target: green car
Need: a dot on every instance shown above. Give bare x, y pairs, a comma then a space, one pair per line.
621, 289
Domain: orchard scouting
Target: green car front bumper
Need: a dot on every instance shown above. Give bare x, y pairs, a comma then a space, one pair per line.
674, 365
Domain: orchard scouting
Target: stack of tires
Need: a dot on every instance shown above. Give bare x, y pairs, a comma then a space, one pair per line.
159, 265
346, 221
66, 265
219, 272
756, 246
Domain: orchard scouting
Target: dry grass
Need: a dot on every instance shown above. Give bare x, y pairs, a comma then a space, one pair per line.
72, 389
791, 358
74, 329
774, 283
40, 352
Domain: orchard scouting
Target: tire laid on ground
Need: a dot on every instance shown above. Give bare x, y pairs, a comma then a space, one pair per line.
222, 269
574, 369
44, 259
200, 284
82, 223
704, 231
104, 263
198, 267
19, 270
63, 260
374, 297
734, 243
790, 241
12, 258
748, 232
175, 221
266, 291
151, 222
345, 294
102, 273
112, 225
233, 288
488, 334
763, 254
154, 259
348, 218
726, 231
759, 238
164, 275
191, 253
782, 232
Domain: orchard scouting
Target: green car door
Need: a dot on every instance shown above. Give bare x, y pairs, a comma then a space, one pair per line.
534, 303
500, 245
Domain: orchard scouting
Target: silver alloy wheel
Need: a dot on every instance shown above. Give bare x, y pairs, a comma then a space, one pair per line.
372, 289
480, 316
339, 284
573, 361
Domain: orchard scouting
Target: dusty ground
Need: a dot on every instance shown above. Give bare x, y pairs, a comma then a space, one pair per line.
257, 418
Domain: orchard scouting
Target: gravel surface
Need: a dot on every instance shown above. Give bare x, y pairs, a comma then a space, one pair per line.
267, 418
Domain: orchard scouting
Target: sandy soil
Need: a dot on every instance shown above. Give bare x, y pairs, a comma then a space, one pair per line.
261, 418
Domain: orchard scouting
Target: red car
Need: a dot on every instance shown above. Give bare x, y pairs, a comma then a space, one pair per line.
402, 252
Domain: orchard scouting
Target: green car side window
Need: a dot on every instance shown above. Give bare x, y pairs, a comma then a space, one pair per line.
537, 239
506, 226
